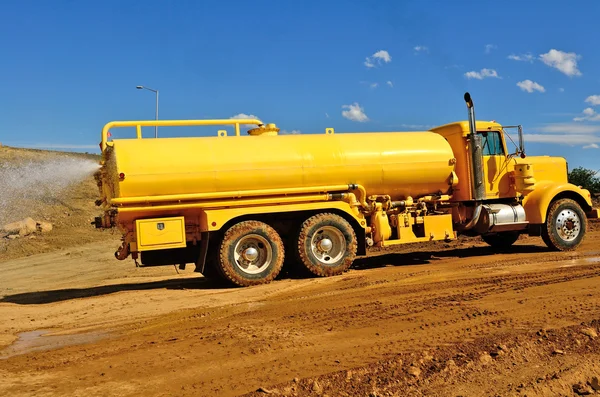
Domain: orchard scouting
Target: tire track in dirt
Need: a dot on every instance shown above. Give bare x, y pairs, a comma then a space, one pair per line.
304, 328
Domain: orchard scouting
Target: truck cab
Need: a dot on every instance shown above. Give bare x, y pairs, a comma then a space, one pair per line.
516, 193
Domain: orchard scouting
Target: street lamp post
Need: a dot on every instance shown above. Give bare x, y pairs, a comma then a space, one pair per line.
140, 87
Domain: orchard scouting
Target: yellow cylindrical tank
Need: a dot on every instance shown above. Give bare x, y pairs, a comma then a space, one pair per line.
397, 164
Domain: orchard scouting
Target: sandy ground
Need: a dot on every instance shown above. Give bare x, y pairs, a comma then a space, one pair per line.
439, 320
77, 322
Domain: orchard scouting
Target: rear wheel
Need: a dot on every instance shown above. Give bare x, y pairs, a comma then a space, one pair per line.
502, 240
251, 253
565, 225
326, 245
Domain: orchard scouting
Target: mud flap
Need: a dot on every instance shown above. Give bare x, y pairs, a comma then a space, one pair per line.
593, 214
201, 261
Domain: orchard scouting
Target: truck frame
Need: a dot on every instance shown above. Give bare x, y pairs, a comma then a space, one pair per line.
245, 234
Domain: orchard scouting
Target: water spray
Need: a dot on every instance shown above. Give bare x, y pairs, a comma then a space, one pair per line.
38, 181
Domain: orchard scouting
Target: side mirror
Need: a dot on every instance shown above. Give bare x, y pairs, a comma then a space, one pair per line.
521, 144
521, 141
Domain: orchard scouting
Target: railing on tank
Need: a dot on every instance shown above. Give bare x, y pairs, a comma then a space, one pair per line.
172, 123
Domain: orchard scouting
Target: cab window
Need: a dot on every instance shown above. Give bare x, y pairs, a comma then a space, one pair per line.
492, 145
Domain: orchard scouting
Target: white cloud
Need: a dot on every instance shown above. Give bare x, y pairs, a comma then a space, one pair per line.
292, 132
379, 56
530, 86
355, 112
591, 146
593, 100
489, 48
421, 48
373, 85
245, 116
568, 128
383, 55
482, 74
389, 83
566, 62
523, 57
589, 114
563, 139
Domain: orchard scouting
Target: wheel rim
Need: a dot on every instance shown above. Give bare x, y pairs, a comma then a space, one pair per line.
328, 244
253, 254
568, 225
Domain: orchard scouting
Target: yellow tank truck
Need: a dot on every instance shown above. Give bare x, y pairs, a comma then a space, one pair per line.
237, 206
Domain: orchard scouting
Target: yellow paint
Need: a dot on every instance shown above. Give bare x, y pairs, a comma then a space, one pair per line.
496, 168
390, 163
422, 229
221, 216
455, 134
505, 175
380, 225
269, 129
537, 202
546, 168
229, 195
210, 181
171, 123
160, 233
524, 178
539, 179
273, 202
496, 177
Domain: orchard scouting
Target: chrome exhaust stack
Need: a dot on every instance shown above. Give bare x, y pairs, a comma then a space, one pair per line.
476, 151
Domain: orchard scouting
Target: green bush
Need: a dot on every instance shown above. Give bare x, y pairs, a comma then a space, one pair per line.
585, 178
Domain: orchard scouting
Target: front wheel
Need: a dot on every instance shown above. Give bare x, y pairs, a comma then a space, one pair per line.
565, 225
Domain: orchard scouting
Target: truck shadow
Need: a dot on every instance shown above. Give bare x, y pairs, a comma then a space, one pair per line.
376, 261
41, 297
426, 257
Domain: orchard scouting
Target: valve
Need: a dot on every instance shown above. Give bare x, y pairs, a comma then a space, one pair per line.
268, 129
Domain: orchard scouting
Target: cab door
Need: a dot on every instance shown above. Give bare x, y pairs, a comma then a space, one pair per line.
495, 165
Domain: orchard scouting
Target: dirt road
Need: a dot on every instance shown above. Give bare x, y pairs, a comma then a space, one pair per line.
459, 320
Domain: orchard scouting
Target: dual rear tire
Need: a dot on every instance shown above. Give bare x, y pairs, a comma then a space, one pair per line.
253, 252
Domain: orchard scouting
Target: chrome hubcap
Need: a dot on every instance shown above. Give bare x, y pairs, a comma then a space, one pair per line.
253, 254
328, 244
325, 245
568, 225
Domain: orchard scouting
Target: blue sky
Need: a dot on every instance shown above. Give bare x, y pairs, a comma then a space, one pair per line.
69, 67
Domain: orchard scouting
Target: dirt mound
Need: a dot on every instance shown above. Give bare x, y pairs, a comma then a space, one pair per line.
70, 209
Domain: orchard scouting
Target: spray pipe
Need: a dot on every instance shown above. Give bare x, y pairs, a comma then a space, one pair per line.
362, 198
